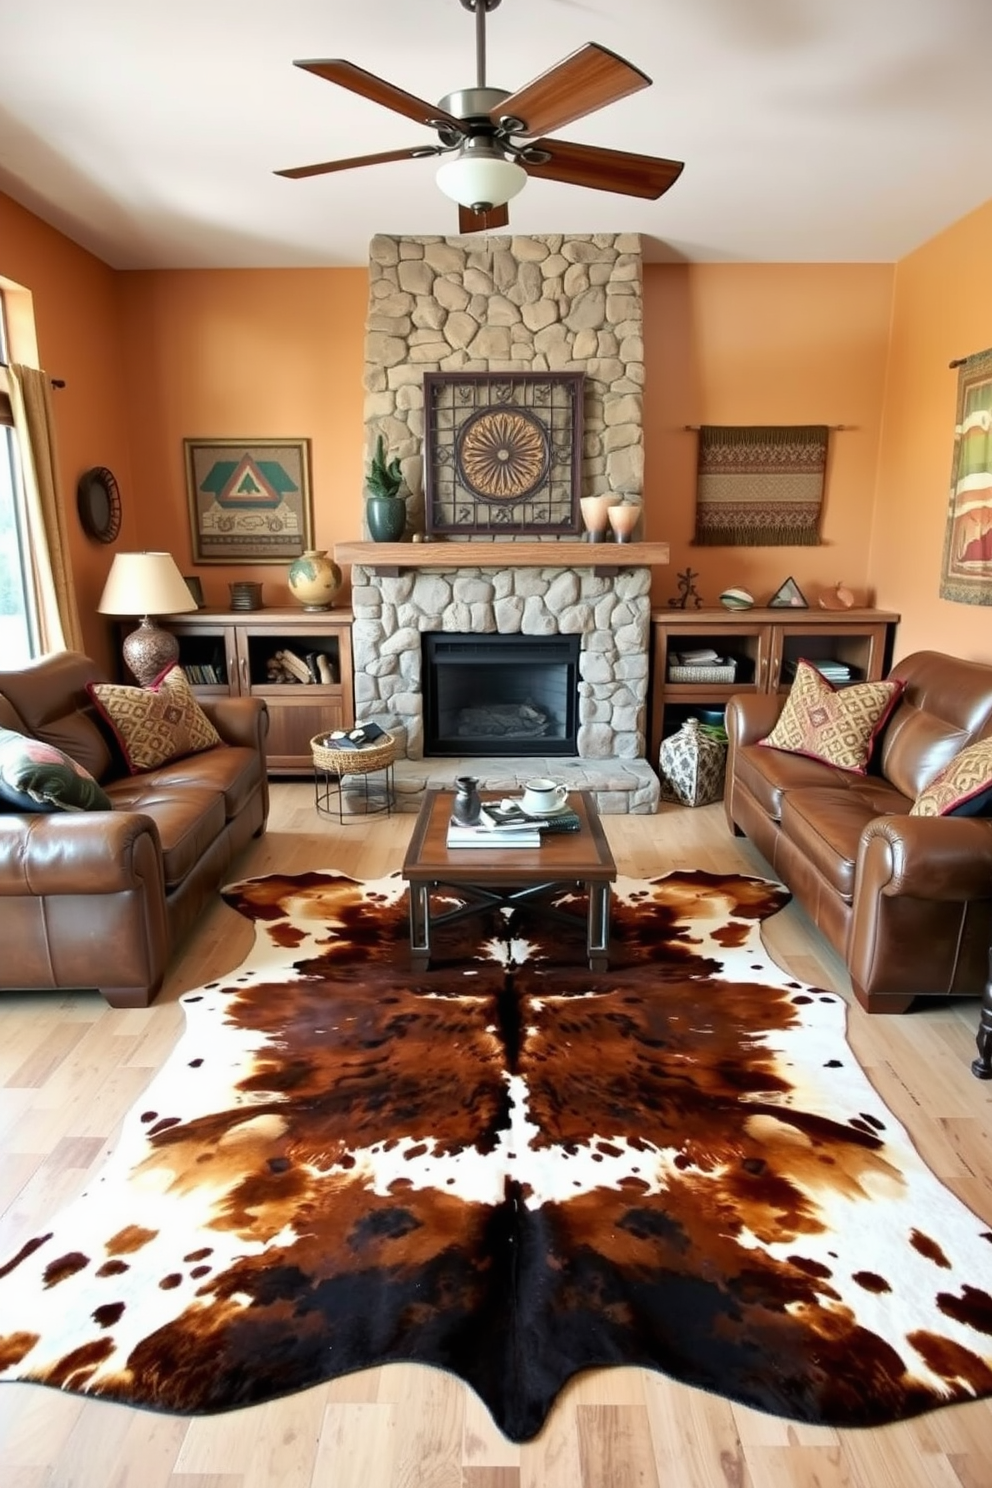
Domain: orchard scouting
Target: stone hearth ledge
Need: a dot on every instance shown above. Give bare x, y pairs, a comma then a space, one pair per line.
620, 787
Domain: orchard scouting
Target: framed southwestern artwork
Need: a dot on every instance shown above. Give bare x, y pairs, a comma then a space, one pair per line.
502, 452
966, 573
249, 499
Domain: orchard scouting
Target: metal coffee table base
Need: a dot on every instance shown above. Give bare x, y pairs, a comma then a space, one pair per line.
423, 922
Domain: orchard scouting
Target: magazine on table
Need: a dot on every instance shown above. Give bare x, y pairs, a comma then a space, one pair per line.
508, 816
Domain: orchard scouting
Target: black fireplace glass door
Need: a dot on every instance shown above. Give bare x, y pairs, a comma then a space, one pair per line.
500, 694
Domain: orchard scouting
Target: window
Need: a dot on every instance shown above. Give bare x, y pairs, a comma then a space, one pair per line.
18, 631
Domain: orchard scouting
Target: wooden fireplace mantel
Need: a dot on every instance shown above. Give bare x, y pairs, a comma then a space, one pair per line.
603, 558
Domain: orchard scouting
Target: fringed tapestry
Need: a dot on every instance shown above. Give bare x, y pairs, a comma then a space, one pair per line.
760, 486
966, 573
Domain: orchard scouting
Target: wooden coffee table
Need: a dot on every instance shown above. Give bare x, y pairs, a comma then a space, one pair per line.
508, 876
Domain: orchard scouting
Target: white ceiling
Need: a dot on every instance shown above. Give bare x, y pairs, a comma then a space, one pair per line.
812, 130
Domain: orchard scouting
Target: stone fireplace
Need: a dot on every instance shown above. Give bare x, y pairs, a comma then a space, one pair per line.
610, 615
523, 304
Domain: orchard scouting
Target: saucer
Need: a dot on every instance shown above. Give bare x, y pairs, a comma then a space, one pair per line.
537, 815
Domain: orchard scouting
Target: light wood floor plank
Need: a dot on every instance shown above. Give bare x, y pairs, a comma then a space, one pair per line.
615, 1446
357, 1446
807, 1467
70, 1068
695, 1437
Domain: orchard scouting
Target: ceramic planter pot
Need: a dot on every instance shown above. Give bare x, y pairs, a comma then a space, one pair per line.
386, 518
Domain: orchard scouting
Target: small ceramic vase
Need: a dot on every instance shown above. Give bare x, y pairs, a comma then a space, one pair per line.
623, 519
467, 804
314, 579
594, 514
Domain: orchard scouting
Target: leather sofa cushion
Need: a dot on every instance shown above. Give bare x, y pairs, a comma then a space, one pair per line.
50, 697
825, 824
917, 747
189, 818
230, 771
947, 703
769, 773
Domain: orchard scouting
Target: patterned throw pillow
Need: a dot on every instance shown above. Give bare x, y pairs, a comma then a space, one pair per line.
35, 776
155, 724
836, 725
962, 788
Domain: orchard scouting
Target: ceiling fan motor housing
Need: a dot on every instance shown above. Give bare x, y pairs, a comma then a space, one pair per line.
474, 105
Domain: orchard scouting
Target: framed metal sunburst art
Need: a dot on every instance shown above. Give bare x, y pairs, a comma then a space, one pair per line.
502, 452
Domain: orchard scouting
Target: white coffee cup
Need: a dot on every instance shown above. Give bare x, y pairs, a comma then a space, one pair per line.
543, 795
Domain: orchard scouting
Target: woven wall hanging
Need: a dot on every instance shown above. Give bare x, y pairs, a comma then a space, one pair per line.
760, 486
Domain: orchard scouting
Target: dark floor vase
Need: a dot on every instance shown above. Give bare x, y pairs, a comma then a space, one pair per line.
386, 517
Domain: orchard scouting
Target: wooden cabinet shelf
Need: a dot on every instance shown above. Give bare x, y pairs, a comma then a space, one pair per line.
764, 646
228, 653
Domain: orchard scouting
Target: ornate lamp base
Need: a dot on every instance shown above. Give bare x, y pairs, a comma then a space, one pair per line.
148, 651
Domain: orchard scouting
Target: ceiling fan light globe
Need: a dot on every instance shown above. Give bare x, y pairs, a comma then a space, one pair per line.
481, 181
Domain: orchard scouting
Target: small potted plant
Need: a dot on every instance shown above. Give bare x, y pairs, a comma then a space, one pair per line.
384, 506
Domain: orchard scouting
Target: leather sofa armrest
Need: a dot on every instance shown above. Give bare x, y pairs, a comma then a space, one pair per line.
239, 720
89, 852
749, 716
926, 857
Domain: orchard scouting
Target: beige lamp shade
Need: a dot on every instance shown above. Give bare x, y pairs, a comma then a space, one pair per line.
146, 584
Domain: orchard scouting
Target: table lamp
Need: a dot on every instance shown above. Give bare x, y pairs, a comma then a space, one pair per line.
146, 584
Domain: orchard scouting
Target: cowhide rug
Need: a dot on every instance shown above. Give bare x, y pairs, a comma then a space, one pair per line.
513, 1169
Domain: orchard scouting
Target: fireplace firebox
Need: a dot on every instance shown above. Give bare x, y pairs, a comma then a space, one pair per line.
500, 694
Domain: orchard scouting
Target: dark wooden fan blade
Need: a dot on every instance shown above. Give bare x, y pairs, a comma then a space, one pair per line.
377, 90
605, 170
587, 80
414, 153
469, 221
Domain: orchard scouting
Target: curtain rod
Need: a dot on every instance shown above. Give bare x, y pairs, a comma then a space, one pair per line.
696, 427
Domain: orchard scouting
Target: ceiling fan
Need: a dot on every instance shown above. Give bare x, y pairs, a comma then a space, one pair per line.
477, 129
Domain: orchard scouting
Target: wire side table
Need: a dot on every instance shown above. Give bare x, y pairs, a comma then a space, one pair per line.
345, 776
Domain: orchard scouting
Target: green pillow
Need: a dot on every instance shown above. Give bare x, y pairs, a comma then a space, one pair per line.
38, 777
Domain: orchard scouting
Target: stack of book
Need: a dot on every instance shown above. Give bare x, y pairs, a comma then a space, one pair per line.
837, 672
504, 824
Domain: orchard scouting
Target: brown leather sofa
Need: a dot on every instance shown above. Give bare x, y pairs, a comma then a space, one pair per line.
102, 898
905, 900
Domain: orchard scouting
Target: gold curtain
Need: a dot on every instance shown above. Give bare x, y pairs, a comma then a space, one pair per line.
48, 543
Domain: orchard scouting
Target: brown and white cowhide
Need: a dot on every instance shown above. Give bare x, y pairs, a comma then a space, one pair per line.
514, 1169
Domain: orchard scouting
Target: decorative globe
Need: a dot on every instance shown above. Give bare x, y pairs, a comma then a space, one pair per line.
314, 579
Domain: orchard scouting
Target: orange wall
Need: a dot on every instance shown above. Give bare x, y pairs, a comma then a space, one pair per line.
77, 320
151, 358
942, 311
275, 353
765, 344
